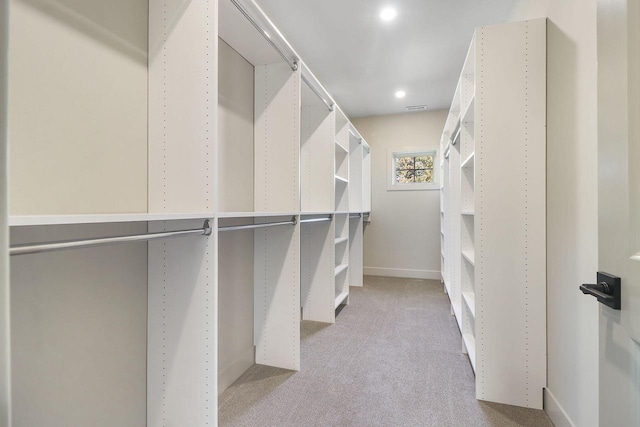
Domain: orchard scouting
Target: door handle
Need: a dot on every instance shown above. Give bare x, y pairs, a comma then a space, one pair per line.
607, 291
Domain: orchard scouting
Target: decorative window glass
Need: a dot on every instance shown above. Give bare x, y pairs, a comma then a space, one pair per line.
413, 170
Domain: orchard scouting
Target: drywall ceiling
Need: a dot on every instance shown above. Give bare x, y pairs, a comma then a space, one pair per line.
363, 61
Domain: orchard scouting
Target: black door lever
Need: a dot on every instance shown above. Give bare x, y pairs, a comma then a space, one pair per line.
607, 291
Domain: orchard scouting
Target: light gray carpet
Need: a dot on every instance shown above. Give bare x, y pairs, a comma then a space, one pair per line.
392, 359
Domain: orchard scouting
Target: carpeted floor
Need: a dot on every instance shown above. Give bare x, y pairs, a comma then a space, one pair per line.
392, 359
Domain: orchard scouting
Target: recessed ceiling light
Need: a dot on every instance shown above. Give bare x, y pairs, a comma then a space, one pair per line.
388, 14
401, 94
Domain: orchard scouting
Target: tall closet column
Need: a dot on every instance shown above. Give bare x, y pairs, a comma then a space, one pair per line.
182, 306
5, 395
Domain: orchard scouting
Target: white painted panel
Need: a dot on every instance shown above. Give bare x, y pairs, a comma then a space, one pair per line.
182, 329
78, 106
237, 31
316, 154
235, 304
183, 104
366, 181
235, 131
317, 271
454, 233
79, 325
277, 143
5, 386
355, 251
511, 221
277, 296
355, 174
572, 227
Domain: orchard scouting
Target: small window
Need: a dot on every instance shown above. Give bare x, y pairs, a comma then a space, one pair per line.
413, 170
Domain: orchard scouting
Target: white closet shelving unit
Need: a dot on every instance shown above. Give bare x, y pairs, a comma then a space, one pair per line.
201, 119
494, 211
318, 249
341, 207
113, 140
258, 172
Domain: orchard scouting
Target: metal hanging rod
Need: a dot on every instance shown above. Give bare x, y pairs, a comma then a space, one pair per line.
446, 155
293, 221
318, 94
357, 137
355, 216
305, 221
293, 63
104, 241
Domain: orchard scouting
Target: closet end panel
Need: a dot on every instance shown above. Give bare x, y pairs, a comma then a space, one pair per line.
277, 296
277, 138
182, 329
183, 104
356, 247
316, 158
5, 386
317, 272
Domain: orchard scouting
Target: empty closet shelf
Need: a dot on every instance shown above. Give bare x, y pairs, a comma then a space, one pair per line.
341, 240
468, 213
469, 256
103, 241
470, 300
341, 298
470, 345
341, 268
341, 148
469, 161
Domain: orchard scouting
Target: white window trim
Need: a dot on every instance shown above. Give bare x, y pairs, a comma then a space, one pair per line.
422, 186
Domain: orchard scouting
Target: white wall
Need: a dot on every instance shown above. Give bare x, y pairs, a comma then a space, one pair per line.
572, 232
403, 238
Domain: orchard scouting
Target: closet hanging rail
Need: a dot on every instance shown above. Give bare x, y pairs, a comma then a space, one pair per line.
305, 221
292, 63
318, 94
359, 139
104, 241
355, 216
253, 226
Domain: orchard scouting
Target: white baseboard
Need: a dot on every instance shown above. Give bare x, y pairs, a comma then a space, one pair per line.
231, 373
399, 272
555, 411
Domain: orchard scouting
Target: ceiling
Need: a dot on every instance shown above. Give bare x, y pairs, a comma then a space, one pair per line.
362, 61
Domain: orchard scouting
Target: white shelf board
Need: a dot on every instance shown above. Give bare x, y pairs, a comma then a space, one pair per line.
470, 299
470, 344
341, 268
469, 114
341, 297
255, 214
34, 220
469, 256
469, 161
341, 240
468, 213
341, 179
341, 147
